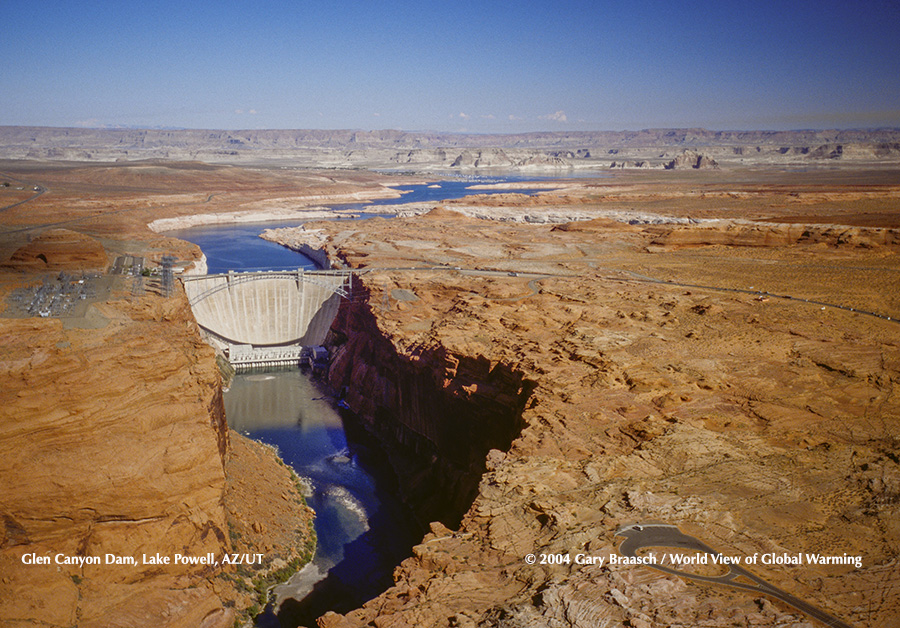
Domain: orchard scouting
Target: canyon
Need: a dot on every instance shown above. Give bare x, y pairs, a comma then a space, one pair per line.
114, 441
541, 369
754, 423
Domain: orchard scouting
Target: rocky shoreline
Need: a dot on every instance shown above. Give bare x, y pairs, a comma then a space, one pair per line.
274, 210
112, 433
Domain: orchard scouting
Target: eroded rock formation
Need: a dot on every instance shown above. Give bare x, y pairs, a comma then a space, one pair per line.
59, 249
436, 412
757, 424
107, 451
761, 426
692, 159
728, 233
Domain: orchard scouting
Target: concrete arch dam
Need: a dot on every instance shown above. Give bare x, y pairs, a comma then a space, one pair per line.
270, 308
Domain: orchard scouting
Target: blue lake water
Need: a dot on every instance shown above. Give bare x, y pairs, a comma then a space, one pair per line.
239, 247
447, 189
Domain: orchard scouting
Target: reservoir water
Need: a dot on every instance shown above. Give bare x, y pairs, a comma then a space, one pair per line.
363, 531
238, 246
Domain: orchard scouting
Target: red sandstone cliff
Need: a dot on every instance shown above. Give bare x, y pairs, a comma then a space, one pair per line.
438, 412
113, 443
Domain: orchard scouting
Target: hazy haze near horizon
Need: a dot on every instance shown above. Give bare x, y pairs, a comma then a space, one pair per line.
499, 67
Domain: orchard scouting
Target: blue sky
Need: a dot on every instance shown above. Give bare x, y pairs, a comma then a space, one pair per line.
486, 66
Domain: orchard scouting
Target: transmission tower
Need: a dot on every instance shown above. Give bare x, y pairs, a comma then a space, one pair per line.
137, 286
168, 276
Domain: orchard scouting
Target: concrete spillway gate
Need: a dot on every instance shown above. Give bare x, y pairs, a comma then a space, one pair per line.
266, 309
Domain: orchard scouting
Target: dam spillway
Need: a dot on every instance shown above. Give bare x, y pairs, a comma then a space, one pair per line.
270, 308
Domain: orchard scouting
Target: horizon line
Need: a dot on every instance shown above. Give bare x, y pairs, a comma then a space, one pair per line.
433, 132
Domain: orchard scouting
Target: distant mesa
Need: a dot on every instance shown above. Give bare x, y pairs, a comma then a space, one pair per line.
499, 158
692, 159
59, 249
856, 151
674, 149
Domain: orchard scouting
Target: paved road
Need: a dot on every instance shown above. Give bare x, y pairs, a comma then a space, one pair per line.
623, 277
658, 535
761, 293
40, 189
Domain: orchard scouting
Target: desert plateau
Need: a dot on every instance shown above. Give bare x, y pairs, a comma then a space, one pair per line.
680, 328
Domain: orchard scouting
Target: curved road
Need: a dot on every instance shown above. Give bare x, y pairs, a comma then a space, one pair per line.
40, 189
658, 535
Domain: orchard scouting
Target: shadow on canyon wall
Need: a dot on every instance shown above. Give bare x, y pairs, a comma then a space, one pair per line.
426, 421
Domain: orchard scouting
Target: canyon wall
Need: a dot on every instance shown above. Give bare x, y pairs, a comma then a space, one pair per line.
434, 412
113, 441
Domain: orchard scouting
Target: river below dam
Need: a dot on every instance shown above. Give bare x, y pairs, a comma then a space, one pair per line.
363, 530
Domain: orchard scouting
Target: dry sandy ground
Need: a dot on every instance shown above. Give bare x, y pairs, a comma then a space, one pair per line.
116, 202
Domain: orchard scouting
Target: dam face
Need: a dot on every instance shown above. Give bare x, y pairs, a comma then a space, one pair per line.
267, 308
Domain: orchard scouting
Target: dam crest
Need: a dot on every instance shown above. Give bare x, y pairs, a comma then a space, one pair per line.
267, 316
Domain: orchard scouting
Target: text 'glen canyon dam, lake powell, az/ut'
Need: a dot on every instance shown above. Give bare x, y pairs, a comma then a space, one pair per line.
509, 370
